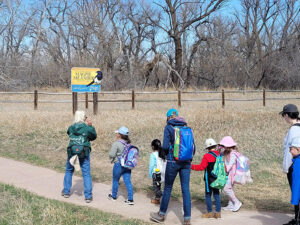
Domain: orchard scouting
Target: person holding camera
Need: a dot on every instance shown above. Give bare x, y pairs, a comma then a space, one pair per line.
81, 133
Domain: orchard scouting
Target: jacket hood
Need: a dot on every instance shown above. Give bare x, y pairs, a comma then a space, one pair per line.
178, 121
78, 128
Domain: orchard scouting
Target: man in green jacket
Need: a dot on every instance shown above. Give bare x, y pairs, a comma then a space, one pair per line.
81, 132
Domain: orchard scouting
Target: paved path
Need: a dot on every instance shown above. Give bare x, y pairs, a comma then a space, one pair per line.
48, 183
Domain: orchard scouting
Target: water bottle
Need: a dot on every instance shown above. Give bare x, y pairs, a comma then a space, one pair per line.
157, 175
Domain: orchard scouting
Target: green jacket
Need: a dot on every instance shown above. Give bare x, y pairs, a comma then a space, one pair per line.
81, 134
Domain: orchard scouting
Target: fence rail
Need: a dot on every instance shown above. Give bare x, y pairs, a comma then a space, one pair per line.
132, 97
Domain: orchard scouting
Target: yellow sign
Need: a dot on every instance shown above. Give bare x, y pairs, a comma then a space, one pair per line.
83, 75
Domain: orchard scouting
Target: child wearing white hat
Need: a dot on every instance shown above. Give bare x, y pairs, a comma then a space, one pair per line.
207, 164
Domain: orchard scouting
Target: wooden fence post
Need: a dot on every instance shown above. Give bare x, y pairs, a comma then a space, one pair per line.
86, 100
35, 101
264, 97
74, 102
95, 102
223, 99
132, 99
179, 99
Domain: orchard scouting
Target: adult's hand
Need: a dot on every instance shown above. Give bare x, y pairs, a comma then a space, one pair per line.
88, 121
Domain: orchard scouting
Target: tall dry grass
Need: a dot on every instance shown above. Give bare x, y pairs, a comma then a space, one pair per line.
40, 137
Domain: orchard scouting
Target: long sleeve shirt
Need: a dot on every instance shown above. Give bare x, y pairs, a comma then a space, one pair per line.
152, 163
116, 151
207, 158
294, 132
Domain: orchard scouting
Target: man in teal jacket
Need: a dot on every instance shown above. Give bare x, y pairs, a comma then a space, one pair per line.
80, 134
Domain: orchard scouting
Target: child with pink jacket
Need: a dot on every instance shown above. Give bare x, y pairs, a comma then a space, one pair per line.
230, 155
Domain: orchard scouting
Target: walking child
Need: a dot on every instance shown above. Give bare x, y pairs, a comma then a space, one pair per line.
230, 155
118, 170
156, 169
207, 164
295, 151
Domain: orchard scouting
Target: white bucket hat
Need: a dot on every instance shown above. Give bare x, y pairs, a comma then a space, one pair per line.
210, 143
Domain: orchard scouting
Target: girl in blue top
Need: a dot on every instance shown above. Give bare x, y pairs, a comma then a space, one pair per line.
154, 173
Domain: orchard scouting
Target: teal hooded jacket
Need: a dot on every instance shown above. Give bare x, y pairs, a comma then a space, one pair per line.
81, 134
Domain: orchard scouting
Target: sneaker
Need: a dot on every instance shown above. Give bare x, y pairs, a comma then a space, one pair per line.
64, 194
207, 215
110, 197
237, 206
129, 202
291, 222
88, 200
217, 215
187, 222
155, 201
229, 207
156, 217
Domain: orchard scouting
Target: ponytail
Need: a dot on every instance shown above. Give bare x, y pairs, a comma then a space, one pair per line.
157, 146
125, 138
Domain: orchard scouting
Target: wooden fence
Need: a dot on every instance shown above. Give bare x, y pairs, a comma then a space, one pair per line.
133, 99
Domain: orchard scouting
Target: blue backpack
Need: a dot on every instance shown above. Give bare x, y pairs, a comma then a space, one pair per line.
183, 143
130, 156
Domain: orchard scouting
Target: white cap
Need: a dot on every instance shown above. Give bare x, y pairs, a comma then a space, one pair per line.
210, 143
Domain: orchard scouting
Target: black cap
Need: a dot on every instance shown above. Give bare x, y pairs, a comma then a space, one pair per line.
289, 108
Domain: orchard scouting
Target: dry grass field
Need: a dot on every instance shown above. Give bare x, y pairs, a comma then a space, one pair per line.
39, 137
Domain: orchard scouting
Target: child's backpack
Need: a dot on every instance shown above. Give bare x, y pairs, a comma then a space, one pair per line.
161, 166
242, 174
183, 143
130, 156
219, 172
78, 150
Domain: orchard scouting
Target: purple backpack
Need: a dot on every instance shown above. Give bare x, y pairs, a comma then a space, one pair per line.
130, 156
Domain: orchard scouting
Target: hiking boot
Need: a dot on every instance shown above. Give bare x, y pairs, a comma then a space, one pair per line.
187, 222
217, 215
155, 201
88, 200
110, 197
291, 222
156, 217
207, 215
129, 202
237, 206
64, 194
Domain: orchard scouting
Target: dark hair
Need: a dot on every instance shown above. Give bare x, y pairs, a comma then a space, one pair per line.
228, 150
292, 115
125, 138
157, 146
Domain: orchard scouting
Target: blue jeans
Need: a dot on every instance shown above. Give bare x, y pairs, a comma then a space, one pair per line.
208, 201
119, 171
86, 174
184, 170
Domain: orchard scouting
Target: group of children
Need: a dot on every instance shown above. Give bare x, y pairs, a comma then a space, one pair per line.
227, 147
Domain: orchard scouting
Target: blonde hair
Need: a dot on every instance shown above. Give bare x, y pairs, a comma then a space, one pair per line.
79, 116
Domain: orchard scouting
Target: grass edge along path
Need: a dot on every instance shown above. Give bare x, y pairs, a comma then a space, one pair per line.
19, 206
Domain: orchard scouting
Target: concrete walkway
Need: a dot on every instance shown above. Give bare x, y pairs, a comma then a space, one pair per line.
48, 183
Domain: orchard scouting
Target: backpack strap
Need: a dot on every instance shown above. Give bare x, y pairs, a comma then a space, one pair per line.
213, 154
